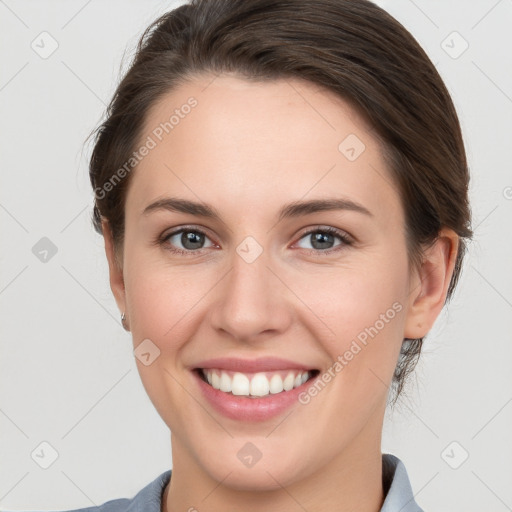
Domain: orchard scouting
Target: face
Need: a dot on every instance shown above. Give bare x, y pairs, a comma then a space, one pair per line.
259, 294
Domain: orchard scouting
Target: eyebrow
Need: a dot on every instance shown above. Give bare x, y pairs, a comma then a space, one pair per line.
291, 210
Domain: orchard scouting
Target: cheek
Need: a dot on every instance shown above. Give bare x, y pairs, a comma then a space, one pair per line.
349, 302
368, 322
161, 298
362, 313
161, 302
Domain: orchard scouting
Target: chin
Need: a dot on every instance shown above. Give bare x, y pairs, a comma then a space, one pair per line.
256, 479
269, 473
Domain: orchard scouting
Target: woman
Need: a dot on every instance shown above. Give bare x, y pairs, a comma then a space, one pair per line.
282, 189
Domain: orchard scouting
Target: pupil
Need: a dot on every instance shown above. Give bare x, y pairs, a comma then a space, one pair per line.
191, 240
321, 238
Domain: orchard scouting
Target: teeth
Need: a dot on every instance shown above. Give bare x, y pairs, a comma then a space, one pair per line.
255, 385
276, 384
288, 382
225, 383
260, 386
240, 384
215, 381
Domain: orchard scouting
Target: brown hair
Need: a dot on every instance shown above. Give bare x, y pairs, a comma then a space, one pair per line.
351, 47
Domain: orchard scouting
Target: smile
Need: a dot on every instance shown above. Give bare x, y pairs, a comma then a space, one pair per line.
252, 390
255, 385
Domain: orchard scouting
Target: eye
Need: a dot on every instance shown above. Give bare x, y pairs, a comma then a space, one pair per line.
323, 238
192, 239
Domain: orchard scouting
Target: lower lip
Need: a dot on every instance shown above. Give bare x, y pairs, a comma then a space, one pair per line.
242, 408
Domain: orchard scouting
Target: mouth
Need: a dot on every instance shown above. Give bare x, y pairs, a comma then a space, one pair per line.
262, 384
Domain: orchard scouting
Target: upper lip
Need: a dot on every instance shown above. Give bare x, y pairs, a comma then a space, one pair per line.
262, 364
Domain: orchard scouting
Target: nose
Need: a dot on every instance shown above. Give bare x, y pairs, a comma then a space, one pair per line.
252, 302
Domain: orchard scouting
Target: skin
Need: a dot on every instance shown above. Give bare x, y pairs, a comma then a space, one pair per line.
248, 148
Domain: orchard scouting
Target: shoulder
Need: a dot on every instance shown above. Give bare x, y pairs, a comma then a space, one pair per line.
397, 487
148, 499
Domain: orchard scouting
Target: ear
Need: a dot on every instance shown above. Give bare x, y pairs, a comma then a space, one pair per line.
115, 267
430, 284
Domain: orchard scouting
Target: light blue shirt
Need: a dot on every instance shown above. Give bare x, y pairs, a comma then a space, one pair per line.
399, 497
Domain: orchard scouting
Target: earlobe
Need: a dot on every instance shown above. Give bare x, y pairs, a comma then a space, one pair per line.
115, 268
428, 294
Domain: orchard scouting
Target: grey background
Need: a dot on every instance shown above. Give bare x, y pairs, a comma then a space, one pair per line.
68, 375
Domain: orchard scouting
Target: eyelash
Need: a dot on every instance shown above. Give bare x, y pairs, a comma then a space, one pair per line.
346, 241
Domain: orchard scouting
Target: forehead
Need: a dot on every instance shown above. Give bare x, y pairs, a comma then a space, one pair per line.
258, 144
